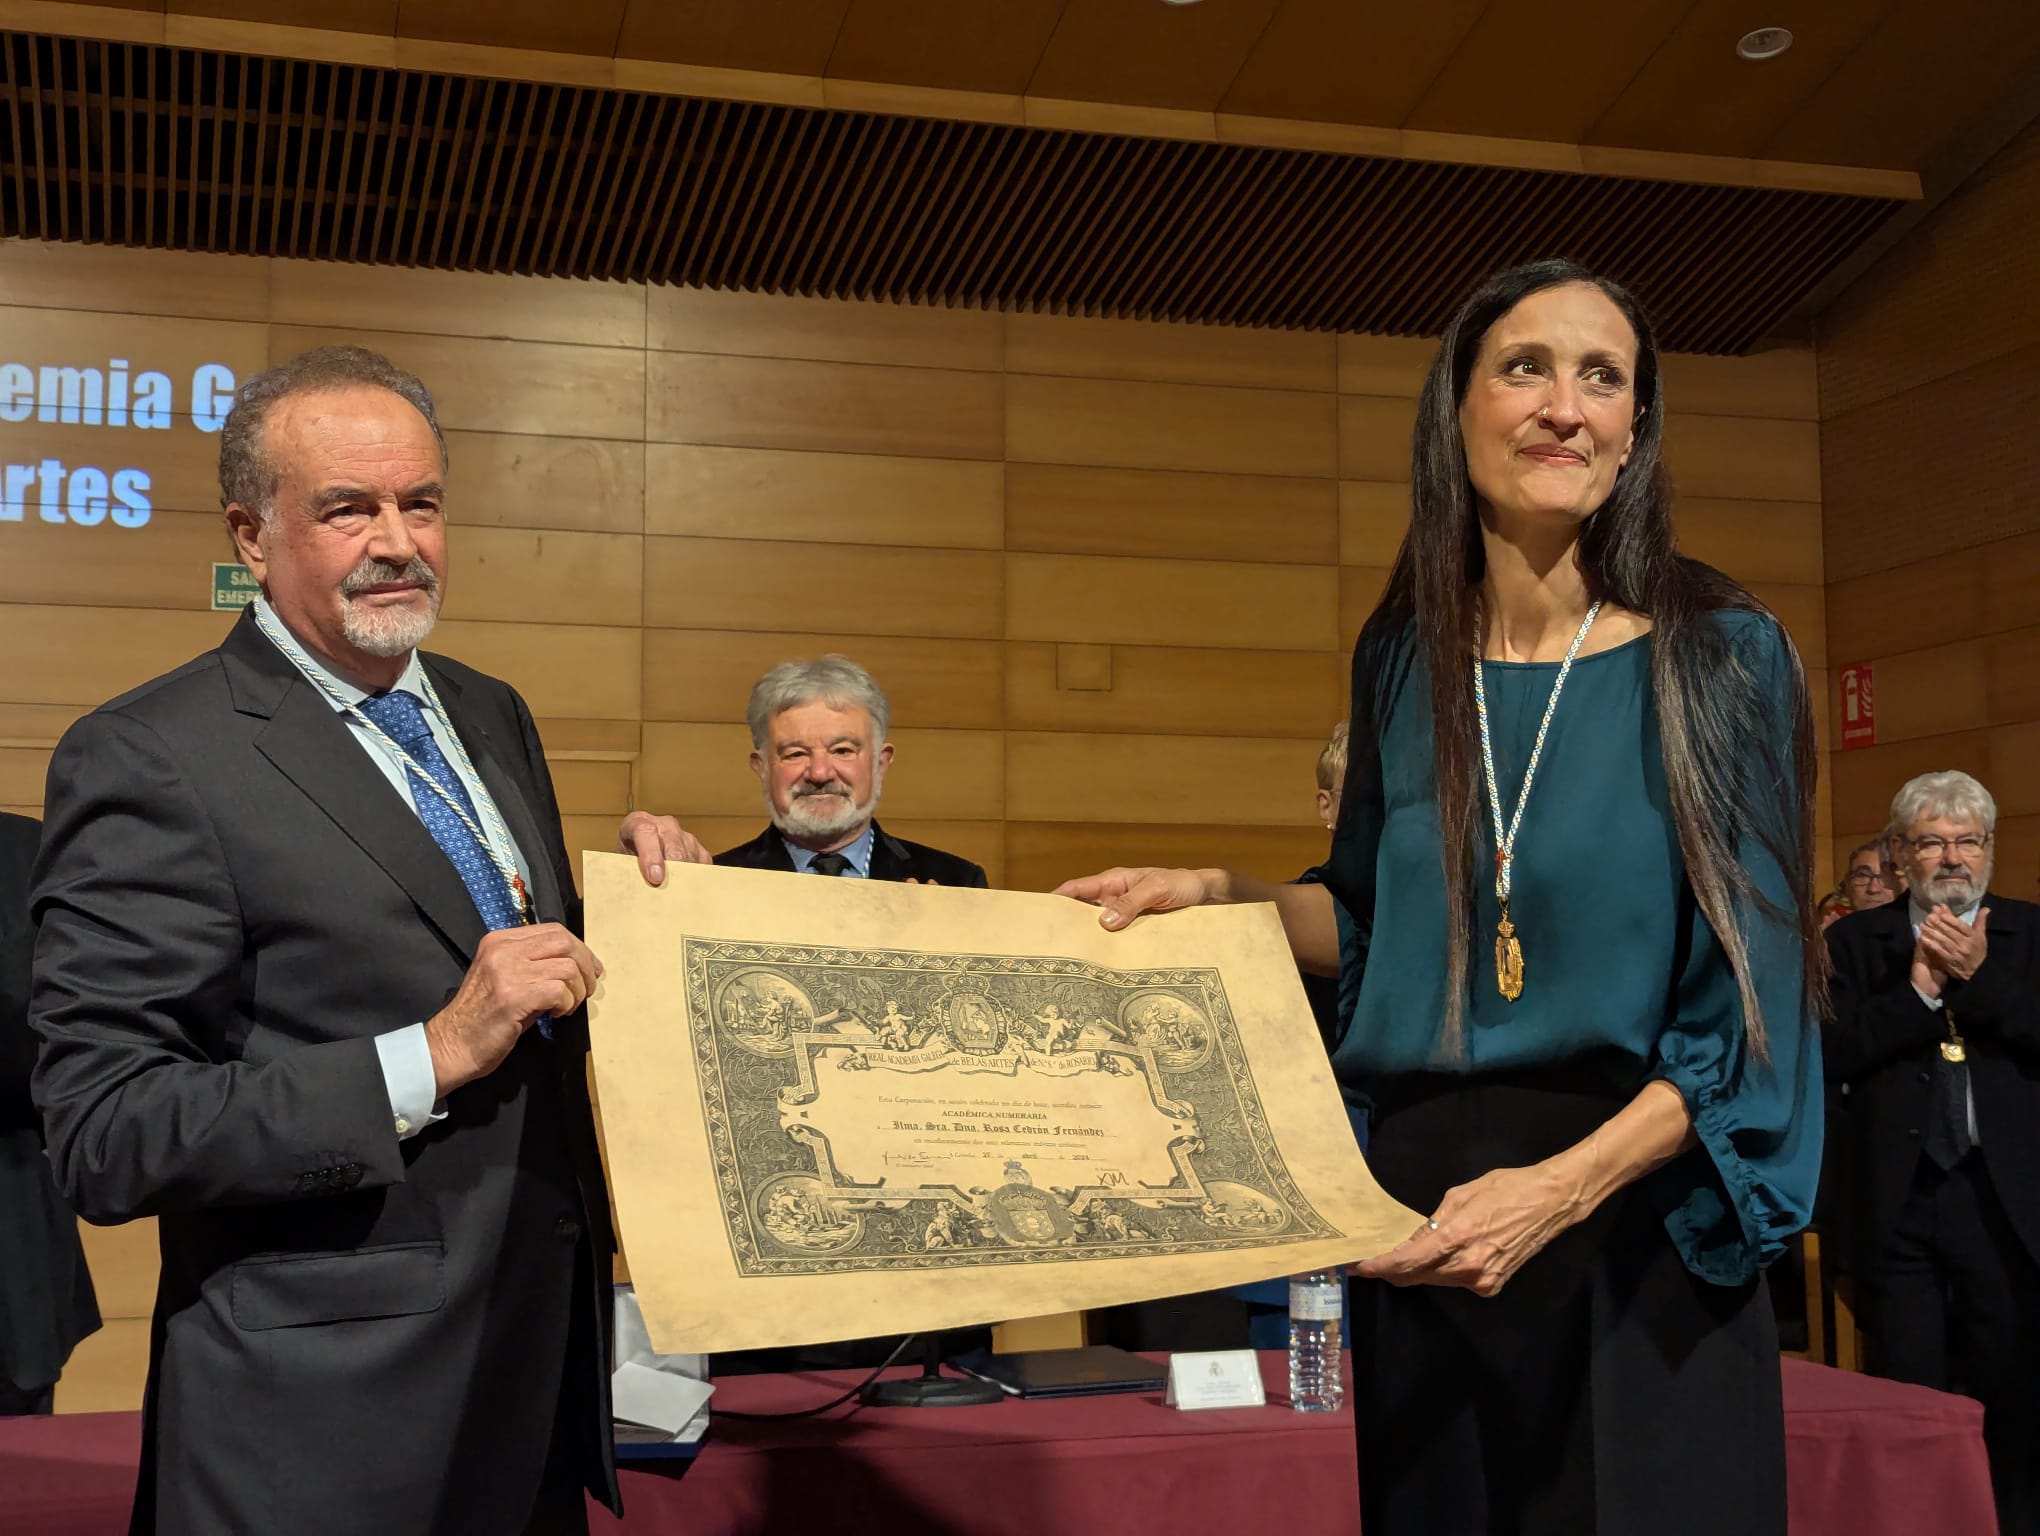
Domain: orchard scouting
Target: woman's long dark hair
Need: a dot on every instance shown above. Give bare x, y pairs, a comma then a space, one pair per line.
1732, 781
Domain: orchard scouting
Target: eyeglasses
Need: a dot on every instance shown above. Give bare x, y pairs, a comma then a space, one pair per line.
1863, 875
1969, 845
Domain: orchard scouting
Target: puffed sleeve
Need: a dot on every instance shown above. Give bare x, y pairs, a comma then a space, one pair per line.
1758, 1119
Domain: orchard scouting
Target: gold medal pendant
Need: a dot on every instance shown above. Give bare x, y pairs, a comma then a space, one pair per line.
1509, 960
1952, 1049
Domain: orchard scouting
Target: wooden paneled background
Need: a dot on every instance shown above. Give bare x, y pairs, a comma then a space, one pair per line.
1108, 571
1930, 385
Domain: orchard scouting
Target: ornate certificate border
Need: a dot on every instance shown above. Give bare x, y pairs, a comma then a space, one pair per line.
774, 1025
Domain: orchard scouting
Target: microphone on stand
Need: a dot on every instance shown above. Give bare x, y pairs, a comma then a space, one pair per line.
931, 1389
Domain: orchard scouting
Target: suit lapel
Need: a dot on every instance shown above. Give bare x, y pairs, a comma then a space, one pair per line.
531, 841
889, 860
313, 748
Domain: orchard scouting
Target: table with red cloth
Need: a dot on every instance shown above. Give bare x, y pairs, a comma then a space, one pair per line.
1864, 1457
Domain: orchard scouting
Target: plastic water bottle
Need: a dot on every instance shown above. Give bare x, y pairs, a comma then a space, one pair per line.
1315, 1305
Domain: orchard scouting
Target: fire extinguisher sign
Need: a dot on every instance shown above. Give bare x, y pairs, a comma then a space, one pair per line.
1859, 707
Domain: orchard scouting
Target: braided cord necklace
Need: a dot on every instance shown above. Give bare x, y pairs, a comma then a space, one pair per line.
1508, 948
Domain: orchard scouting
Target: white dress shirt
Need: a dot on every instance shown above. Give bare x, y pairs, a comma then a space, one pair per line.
406, 1058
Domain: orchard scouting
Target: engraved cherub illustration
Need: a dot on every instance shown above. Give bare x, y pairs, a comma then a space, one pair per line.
941, 1230
1056, 1031
893, 1033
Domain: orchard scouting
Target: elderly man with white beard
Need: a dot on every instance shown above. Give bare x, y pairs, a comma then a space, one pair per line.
819, 748
1936, 1030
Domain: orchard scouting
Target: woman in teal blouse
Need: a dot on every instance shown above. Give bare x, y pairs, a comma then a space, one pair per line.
1571, 886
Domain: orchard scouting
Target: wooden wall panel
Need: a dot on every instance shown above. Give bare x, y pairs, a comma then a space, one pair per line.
1932, 535
1170, 602
1158, 352
1769, 541
119, 280
1106, 570
572, 671
544, 577
754, 402
1169, 426
707, 675
504, 386
512, 480
1385, 365
833, 498
841, 588
825, 330
1779, 383
1374, 437
1172, 689
1084, 511
1374, 515
1069, 776
1744, 457
331, 295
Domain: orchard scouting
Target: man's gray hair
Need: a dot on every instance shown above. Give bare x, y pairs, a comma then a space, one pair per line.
836, 681
248, 474
1949, 793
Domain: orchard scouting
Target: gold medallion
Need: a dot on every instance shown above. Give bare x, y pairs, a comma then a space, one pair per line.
1509, 960
1952, 1049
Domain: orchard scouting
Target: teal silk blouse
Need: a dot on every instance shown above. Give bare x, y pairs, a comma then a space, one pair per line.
1616, 951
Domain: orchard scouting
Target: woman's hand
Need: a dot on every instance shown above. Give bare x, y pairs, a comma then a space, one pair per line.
1126, 893
1484, 1232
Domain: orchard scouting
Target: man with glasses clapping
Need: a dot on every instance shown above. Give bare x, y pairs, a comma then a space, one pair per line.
1936, 1030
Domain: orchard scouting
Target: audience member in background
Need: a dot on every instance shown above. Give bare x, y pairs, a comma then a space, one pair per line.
1936, 1031
46, 1300
1865, 883
820, 750
1892, 858
1593, 1058
310, 995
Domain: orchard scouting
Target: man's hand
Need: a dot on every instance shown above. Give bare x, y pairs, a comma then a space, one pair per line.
1952, 946
517, 975
657, 840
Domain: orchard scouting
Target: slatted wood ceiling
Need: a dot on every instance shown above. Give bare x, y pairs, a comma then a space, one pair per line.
194, 149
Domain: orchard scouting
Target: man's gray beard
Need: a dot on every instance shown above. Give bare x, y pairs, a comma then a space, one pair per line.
840, 814
1959, 905
379, 631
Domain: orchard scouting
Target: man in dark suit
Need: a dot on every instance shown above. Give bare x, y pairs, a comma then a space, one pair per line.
309, 993
1936, 1030
819, 748
46, 1299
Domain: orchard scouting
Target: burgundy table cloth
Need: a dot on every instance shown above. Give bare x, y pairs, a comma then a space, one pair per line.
1864, 1458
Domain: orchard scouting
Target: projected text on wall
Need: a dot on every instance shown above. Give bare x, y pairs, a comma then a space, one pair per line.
114, 491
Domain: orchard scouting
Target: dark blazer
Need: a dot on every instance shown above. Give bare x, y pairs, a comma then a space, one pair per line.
352, 1333
892, 858
1883, 1042
46, 1299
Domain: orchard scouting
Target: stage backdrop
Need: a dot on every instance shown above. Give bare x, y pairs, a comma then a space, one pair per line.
1108, 571
1930, 384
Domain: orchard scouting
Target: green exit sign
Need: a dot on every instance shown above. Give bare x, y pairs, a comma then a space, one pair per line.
233, 586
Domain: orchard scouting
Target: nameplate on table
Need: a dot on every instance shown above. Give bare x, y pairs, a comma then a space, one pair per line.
1217, 1378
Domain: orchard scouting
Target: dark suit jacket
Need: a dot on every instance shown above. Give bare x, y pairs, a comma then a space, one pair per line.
352, 1333
892, 858
1884, 1043
46, 1299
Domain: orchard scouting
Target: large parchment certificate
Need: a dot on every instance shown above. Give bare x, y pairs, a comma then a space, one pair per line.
839, 1108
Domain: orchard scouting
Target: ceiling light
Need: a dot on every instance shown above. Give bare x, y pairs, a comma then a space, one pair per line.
1763, 43
1179, 2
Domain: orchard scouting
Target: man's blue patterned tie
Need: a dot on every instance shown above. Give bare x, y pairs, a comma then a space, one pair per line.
402, 718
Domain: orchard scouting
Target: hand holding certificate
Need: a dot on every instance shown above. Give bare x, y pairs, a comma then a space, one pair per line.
842, 1108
